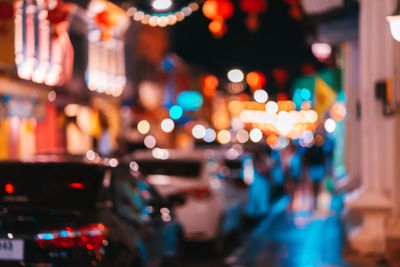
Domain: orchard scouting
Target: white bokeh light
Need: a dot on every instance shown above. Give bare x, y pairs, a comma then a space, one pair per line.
161, 4
235, 75
167, 125
271, 107
394, 22
256, 135
261, 96
330, 125
198, 131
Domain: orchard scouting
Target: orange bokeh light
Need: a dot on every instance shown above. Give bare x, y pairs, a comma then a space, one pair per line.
217, 28
209, 84
272, 140
256, 80
338, 111
218, 9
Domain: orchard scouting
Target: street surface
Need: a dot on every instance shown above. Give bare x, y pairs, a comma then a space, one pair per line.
284, 238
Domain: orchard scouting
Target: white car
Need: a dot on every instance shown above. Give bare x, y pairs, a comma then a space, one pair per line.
211, 209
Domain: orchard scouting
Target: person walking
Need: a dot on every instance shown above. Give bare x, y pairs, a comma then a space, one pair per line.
260, 188
315, 163
293, 170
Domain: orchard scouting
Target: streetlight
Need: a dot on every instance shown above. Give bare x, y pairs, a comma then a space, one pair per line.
394, 21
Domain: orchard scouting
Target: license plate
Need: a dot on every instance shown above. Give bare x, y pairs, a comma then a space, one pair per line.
11, 249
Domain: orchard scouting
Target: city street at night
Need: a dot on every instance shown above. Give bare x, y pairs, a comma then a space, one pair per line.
199, 133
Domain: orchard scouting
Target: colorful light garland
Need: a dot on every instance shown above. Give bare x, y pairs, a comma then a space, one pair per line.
162, 19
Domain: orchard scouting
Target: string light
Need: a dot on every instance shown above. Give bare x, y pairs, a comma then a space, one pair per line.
162, 19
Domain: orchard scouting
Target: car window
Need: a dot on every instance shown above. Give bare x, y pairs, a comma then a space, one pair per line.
54, 185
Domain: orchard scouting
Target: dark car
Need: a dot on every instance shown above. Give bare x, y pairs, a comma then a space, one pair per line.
82, 214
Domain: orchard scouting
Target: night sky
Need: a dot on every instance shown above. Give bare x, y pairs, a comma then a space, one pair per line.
279, 42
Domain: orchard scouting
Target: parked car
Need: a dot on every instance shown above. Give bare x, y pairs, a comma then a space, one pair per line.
65, 213
211, 210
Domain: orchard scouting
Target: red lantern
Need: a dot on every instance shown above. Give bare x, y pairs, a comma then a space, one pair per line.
253, 8
218, 11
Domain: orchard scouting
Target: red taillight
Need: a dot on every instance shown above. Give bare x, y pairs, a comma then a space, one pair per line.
89, 237
77, 186
202, 192
9, 188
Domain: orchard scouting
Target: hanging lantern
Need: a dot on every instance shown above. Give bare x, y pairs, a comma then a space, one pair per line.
218, 11
254, 8
106, 60
256, 80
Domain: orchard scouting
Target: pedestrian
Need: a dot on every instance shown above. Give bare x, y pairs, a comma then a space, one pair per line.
315, 163
277, 174
293, 170
260, 188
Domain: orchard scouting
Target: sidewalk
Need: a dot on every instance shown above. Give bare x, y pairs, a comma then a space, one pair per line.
302, 238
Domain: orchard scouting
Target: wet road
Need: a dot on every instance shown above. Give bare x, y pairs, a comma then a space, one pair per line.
302, 237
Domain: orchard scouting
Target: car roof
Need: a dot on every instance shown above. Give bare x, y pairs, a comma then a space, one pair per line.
173, 154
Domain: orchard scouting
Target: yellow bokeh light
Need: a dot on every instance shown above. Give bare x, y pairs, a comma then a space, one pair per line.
224, 136
143, 127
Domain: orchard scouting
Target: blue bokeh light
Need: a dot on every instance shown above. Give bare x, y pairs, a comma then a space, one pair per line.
305, 94
190, 100
175, 112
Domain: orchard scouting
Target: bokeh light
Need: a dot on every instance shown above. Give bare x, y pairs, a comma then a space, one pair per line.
167, 125
256, 135
338, 111
51, 96
305, 94
224, 136
190, 100
242, 136
159, 153
261, 96
330, 125
210, 135
235, 75
143, 127
150, 141
198, 131
161, 4
271, 107
272, 140
256, 80
175, 112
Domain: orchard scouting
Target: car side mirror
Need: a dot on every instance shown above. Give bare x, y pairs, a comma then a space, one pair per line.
176, 200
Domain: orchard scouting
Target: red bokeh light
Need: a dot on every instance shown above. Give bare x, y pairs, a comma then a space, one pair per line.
77, 186
253, 6
218, 9
9, 188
